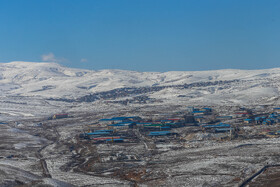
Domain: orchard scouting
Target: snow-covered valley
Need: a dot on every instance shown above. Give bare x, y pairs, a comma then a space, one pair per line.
40, 151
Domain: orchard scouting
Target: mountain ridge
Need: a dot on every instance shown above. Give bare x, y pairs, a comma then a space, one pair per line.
51, 80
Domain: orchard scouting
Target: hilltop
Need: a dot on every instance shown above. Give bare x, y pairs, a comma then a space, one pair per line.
29, 82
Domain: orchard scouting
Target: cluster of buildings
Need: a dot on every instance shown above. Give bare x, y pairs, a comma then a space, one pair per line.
205, 120
270, 119
218, 128
133, 128
122, 129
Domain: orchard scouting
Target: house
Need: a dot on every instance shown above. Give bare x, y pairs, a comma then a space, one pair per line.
96, 133
174, 125
224, 117
174, 120
199, 119
271, 121
116, 140
258, 120
242, 114
110, 120
248, 120
272, 115
120, 119
189, 119
267, 122
190, 109
157, 127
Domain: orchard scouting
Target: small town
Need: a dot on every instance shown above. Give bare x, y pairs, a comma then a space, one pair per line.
230, 145
179, 126
119, 144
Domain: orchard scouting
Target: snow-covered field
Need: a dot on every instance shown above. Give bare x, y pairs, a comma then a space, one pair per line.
25, 88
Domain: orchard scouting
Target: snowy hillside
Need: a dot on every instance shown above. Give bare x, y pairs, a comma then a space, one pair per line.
29, 81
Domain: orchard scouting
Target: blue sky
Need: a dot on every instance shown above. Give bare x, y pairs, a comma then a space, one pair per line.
142, 35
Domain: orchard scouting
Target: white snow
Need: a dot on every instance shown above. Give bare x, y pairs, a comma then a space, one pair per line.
24, 87
54, 80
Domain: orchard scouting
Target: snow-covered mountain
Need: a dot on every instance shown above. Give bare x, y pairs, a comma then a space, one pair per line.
51, 80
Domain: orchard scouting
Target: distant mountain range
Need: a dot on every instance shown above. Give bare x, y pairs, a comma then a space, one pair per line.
52, 81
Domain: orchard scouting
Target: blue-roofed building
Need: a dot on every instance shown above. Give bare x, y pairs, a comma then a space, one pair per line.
118, 140
165, 127
224, 117
98, 133
257, 118
207, 109
118, 126
220, 125
123, 119
144, 123
199, 112
104, 130
122, 125
165, 120
159, 133
277, 110
222, 130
